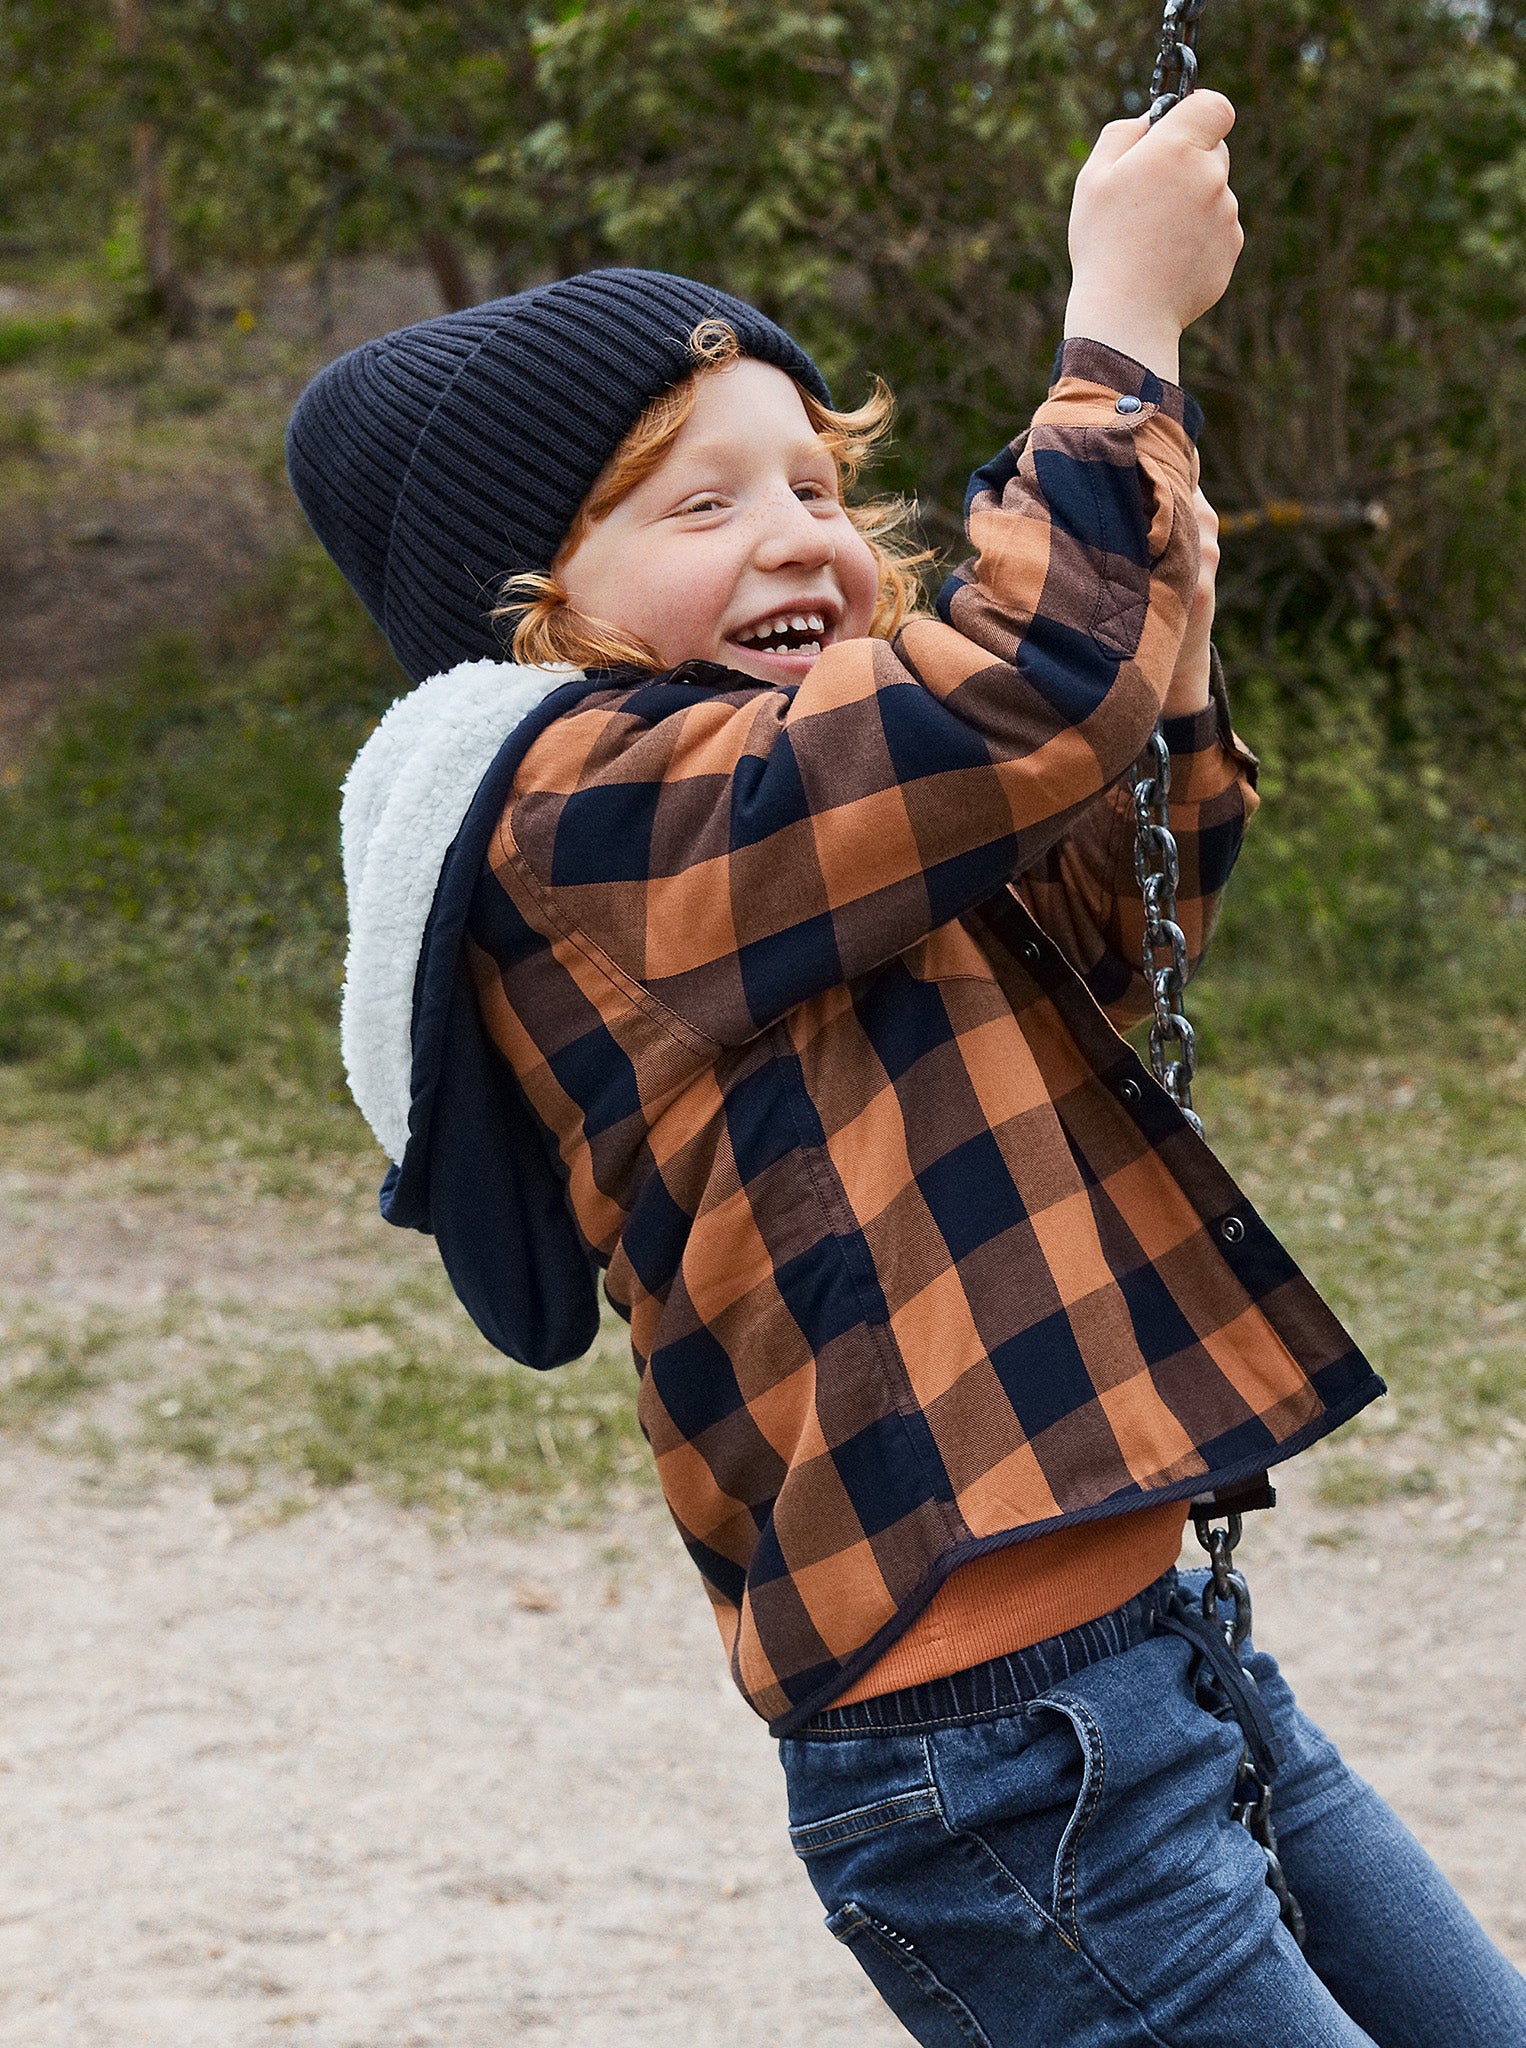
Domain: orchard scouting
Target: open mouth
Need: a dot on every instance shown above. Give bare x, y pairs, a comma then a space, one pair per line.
802, 632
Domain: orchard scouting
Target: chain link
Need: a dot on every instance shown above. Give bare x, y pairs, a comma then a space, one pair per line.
1173, 1048
1176, 65
1251, 1802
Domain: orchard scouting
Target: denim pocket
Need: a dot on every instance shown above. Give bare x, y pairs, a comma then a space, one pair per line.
1093, 1776
835, 1832
1024, 1789
929, 2011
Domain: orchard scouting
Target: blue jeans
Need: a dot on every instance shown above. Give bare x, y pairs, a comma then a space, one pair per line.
1062, 1871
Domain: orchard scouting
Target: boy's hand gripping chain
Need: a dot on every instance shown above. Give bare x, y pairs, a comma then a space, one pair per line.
1228, 1688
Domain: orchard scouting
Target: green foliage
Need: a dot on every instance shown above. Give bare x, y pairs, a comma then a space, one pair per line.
1375, 904
22, 337
892, 179
63, 124
170, 892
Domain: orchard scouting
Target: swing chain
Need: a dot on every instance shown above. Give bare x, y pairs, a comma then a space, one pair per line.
1251, 1803
1173, 1048
1176, 65
1158, 866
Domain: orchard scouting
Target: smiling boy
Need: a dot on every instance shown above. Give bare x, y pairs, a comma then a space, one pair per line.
765, 943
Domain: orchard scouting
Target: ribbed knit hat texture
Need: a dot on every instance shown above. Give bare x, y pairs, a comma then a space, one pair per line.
435, 461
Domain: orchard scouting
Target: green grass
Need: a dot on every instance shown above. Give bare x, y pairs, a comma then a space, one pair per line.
1378, 905
170, 895
1399, 1184
413, 1405
391, 1390
52, 1366
24, 336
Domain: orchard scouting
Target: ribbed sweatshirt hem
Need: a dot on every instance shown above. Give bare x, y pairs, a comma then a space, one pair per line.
1023, 1594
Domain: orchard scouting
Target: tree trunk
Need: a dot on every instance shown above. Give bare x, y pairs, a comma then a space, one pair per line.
168, 292
169, 295
451, 274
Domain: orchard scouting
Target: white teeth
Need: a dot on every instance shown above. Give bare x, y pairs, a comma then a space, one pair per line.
773, 629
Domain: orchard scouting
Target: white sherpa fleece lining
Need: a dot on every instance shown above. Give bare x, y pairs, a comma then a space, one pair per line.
405, 797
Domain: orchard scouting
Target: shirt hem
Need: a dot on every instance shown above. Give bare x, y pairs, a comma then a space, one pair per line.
1192, 1488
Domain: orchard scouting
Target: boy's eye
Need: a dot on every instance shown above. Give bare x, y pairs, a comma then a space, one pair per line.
707, 502
809, 493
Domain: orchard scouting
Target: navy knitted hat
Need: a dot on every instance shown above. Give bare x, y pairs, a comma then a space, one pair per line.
436, 461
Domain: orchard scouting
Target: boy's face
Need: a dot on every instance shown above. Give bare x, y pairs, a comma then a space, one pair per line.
738, 529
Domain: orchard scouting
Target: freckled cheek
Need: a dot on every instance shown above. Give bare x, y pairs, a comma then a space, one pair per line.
860, 579
683, 610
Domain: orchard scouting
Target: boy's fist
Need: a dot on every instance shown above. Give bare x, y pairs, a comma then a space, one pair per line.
1154, 230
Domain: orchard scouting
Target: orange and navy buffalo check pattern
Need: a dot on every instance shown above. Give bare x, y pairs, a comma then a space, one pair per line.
816, 991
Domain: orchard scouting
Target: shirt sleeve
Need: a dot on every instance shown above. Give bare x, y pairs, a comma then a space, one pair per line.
734, 849
1085, 892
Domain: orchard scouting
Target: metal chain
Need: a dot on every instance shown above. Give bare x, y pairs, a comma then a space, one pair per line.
1251, 1805
1173, 1055
1176, 65
1173, 1048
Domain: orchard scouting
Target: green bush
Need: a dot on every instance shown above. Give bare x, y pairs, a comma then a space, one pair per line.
1378, 902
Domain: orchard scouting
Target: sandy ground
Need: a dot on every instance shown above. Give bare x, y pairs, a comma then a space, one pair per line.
344, 1781
341, 1782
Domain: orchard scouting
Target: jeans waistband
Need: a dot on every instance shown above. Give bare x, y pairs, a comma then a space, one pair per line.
1003, 1683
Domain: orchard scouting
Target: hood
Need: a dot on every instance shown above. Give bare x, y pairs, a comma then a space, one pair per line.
472, 1164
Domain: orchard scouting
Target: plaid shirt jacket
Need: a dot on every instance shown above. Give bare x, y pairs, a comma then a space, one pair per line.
819, 990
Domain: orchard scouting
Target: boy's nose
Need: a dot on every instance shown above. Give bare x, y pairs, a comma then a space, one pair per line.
789, 533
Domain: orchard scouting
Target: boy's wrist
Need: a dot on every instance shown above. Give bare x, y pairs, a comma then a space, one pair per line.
1190, 691
1154, 343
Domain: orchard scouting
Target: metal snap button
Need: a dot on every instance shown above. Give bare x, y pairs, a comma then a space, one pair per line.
1130, 404
1232, 1230
1129, 1092
1031, 952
